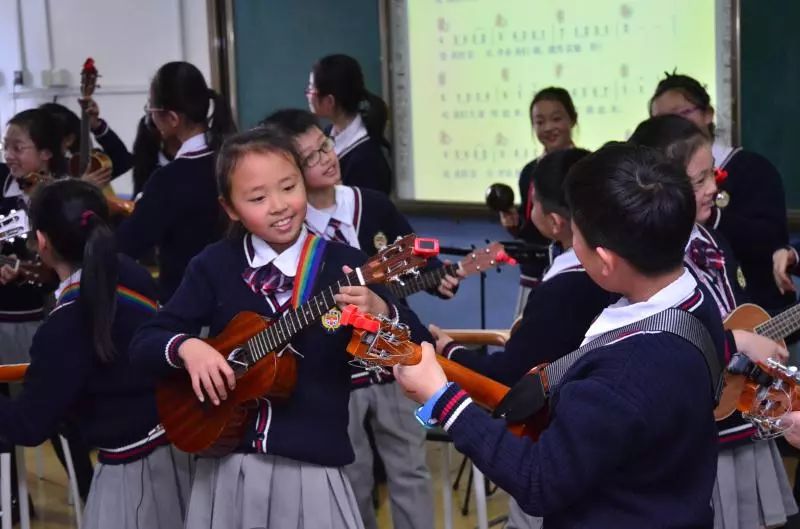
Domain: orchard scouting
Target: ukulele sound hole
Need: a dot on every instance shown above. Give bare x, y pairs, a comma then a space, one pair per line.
238, 360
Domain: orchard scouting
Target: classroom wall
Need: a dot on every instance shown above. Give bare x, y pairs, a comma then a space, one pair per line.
128, 39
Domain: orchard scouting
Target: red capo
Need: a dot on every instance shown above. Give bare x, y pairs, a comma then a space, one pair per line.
359, 320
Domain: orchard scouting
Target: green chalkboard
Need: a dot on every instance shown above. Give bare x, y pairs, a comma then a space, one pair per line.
278, 41
770, 86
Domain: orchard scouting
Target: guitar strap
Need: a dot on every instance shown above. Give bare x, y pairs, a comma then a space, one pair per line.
532, 393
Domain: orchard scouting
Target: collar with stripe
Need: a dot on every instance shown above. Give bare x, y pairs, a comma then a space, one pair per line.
194, 147
347, 212
259, 253
350, 137
564, 262
623, 312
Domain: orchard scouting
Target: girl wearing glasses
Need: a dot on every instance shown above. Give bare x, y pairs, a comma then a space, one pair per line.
750, 210
336, 91
178, 211
752, 489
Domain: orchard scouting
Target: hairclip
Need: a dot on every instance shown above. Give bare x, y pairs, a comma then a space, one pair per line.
85, 217
720, 175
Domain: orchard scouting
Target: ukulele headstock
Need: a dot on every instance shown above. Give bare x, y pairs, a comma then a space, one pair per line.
89, 77
765, 405
13, 226
379, 342
486, 259
405, 255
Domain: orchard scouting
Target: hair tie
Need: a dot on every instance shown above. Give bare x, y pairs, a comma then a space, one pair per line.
85, 217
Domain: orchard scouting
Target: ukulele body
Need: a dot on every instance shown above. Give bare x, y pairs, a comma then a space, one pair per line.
209, 430
745, 317
97, 160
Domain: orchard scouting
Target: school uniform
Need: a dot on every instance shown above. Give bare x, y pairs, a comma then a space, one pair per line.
114, 148
557, 314
616, 452
21, 304
358, 216
361, 158
178, 212
751, 487
753, 221
112, 405
288, 469
555, 320
530, 273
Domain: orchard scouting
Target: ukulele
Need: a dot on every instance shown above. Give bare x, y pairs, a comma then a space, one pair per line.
90, 160
14, 226
12, 372
753, 318
254, 347
478, 261
378, 342
764, 405
33, 272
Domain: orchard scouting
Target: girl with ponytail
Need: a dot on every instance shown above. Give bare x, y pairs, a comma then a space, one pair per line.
336, 91
178, 211
80, 368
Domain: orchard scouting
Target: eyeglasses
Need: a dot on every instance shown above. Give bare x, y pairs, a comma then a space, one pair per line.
15, 147
148, 109
316, 155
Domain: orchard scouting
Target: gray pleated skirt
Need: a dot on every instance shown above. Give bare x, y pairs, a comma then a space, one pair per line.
752, 489
255, 491
149, 493
15, 341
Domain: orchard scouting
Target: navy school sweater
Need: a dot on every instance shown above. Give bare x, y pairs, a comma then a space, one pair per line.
631, 441
365, 165
557, 315
754, 222
112, 405
114, 148
179, 213
735, 430
19, 302
311, 426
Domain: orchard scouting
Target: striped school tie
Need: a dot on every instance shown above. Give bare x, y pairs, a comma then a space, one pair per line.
268, 281
334, 231
706, 256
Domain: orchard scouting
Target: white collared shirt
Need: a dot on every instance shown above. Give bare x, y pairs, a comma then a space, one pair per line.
74, 277
193, 147
565, 262
623, 312
287, 261
318, 220
11, 187
352, 135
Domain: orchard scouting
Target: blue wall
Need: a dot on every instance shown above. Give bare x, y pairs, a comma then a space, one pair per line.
278, 41
463, 311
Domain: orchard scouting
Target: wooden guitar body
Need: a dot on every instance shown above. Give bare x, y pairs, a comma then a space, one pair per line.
13, 372
746, 317
210, 430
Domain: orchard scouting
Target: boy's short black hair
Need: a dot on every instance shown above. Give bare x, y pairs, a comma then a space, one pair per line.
630, 200
293, 121
548, 179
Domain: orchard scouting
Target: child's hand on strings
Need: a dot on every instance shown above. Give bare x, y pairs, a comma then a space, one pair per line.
440, 337
448, 284
362, 297
208, 370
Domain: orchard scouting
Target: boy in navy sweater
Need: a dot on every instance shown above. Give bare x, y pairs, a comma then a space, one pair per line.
632, 440
553, 324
